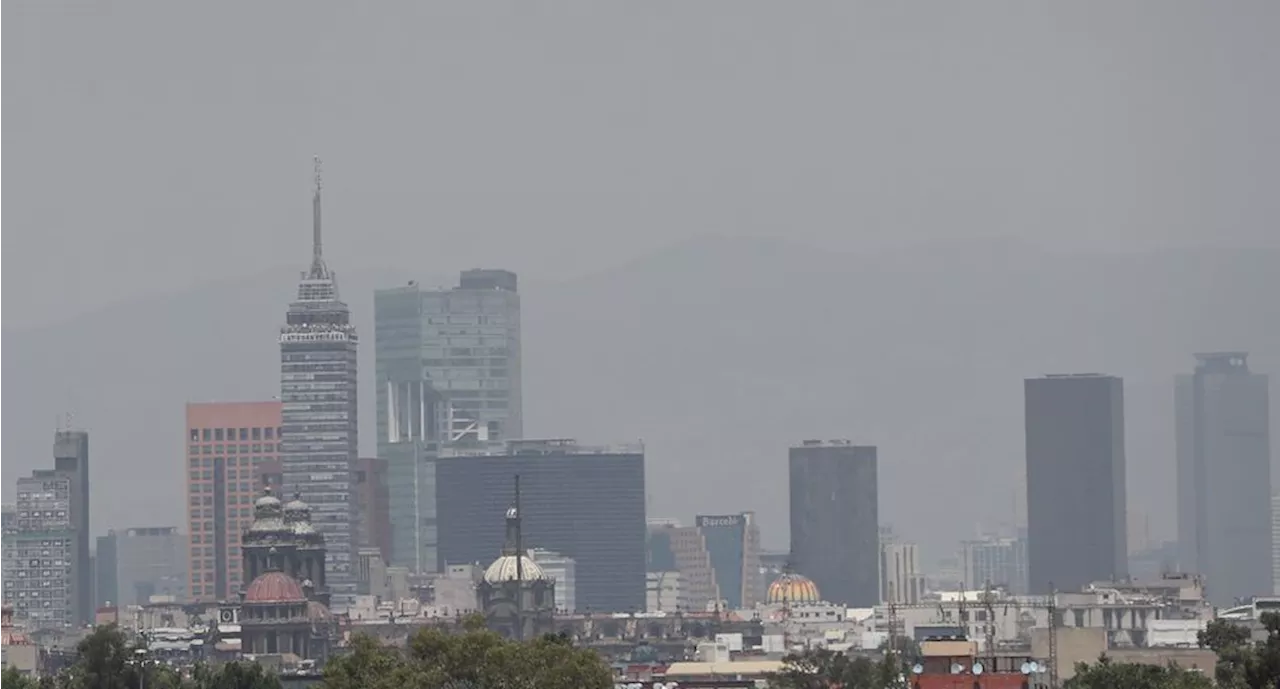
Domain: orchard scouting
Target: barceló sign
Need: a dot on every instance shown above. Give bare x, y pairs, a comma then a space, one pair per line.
728, 520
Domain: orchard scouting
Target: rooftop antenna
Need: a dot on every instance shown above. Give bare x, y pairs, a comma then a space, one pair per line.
318, 269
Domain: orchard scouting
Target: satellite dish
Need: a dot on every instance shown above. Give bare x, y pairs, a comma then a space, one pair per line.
1026, 668
917, 668
1035, 667
956, 668
977, 668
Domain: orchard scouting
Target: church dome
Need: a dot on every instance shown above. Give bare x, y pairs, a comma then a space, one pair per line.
267, 503
792, 588
503, 569
267, 514
274, 587
297, 517
296, 508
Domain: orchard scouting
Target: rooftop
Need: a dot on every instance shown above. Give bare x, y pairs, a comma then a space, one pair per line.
548, 447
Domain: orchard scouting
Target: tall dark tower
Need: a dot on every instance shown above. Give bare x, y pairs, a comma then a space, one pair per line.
1076, 518
318, 388
1224, 476
835, 519
71, 458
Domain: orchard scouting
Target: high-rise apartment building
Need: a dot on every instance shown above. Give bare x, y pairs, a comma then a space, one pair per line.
318, 387
132, 565
448, 372
41, 566
233, 450
1076, 518
733, 547
1000, 562
1224, 476
47, 574
586, 503
835, 519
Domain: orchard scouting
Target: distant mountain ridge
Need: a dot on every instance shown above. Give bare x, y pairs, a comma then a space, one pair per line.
718, 353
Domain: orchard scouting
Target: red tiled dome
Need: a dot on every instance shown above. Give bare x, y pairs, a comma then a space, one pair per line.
274, 587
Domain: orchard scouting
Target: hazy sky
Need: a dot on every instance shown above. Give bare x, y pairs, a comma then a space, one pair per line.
155, 144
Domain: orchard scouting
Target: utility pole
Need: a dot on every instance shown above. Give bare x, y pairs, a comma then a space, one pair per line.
900, 665
893, 622
988, 602
1053, 637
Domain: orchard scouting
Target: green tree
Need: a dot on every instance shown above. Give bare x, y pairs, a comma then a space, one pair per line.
110, 660
1235, 652
1242, 662
435, 659
237, 675
906, 647
367, 665
821, 668
1108, 675
12, 679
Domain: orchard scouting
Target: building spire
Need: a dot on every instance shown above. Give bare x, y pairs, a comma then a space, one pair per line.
318, 269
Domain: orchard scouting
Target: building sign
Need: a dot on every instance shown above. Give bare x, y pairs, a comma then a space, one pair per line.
720, 521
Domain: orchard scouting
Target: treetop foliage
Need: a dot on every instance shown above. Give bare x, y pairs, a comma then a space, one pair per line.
476, 658
433, 659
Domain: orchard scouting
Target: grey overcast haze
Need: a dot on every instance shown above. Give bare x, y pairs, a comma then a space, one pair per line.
737, 224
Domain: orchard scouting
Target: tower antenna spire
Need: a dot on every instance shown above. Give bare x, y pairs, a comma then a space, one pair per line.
318, 269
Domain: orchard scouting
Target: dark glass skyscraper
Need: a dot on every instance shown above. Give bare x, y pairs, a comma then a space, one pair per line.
1076, 519
582, 502
835, 519
318, 412
1224, 476
71, 458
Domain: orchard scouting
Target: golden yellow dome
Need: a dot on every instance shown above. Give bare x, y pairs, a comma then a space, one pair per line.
792, 588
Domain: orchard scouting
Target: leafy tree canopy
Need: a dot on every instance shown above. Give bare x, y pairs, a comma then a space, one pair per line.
1242, 662
475, 658
821, 668
1108, 675
12, 679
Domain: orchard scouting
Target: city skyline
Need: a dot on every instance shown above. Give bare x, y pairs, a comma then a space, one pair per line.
986, 218
735, 343
318, 313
